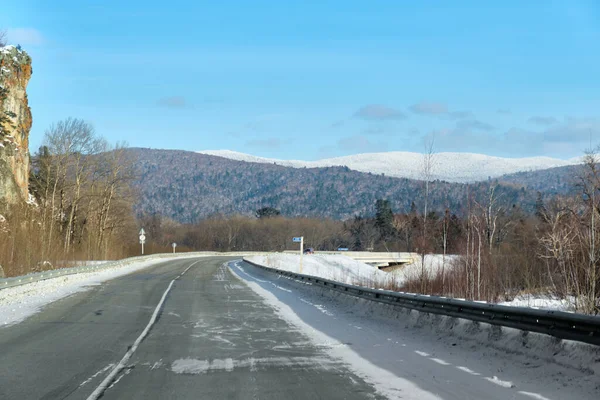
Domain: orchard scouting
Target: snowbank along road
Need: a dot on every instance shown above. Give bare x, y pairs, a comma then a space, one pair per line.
199, 328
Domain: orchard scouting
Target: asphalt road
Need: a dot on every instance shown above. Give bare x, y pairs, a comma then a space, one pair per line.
214, 339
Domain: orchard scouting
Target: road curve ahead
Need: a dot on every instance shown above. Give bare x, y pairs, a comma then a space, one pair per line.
212, 338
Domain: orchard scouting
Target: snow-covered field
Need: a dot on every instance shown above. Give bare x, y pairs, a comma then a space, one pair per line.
411, 355
333, 267
453, 167
20, 302
344, 269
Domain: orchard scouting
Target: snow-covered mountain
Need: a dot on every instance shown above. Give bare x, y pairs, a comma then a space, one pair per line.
452, 167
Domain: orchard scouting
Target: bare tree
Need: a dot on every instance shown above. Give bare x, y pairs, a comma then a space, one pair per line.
427, 174
71, 143
115, 175
3, 38
590, 268
445, 226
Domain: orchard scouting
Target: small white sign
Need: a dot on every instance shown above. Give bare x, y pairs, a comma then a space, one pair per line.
174, 245
142, 237
142, 232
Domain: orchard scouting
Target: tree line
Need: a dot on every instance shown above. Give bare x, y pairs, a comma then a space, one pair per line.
491, 249
80, 205
495, 251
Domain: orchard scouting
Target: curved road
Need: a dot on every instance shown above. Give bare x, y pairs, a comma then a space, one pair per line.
251, 336
214, 339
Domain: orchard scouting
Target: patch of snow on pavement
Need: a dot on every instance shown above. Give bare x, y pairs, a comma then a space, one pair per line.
192, 366
19, 302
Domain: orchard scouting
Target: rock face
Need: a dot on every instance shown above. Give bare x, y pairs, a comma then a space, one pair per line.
15, 123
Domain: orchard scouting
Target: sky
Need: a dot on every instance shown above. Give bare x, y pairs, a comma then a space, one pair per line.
317, 79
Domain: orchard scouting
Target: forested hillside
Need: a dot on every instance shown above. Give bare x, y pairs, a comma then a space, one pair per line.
550, 182
187, 187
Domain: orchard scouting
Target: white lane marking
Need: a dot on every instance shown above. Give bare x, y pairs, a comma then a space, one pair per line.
422, 353
534, 395
467, 370
317, 306
103, 370
499, 382
127, 372
96, 394
439, 361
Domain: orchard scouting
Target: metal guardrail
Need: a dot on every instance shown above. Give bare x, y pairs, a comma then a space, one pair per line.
563, 325
55, 273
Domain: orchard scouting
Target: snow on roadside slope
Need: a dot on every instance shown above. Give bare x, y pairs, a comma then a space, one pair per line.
19, 302
542, 302
344, 269
333, 267
412, 355
434, 263
341, 268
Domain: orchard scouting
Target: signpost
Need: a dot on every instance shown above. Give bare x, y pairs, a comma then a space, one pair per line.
174, 245
142, 239
301, 241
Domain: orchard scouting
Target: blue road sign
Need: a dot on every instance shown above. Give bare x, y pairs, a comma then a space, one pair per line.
297, 239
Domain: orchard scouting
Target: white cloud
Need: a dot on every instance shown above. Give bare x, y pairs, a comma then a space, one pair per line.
563, 139
473, 125
25, 36
173, 102
361, 144
429, 108
379, 112
439, 110
271, 143
543, 120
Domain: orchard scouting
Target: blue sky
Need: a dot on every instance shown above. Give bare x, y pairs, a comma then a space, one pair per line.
315, 79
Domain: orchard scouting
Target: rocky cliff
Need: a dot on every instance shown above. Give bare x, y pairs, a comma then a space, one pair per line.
15, 123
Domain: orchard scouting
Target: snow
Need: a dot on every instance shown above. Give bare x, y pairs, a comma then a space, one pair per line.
540, 301
412, 355
339, 268
18, 303
434, 263
448, 166
7, 49
191, 366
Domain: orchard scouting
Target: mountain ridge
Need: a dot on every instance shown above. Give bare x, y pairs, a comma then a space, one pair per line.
446, 166
188, 186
